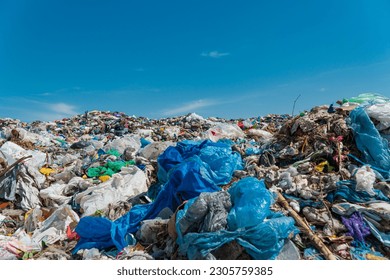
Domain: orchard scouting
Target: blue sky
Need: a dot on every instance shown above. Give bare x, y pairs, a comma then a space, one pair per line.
164, 58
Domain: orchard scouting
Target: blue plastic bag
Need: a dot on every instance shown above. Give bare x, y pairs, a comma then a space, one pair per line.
263, 241
246, 223
251, 203
370, 143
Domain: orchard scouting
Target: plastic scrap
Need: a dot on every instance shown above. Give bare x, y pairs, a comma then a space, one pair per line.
46, 171
321, 166
379, 112
362, 251
365, 179
251, 203
224, 130
110, 168
347, 190
262, 239
356, 226
312, 254
374, 148
208, 213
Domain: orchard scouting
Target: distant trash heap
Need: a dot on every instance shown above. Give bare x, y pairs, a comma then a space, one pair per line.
108, 186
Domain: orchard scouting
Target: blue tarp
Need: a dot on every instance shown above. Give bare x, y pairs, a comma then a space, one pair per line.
262, 238
188, 169
370, 143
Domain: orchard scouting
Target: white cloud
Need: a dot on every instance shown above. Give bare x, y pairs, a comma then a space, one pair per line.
214, 54
45, 94
45, 111
62, 108
190, 107
46, 116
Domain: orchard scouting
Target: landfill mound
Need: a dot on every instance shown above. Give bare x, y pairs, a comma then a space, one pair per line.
105, 185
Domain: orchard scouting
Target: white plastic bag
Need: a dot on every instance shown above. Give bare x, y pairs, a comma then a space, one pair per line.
365, 179
153, 150
16, 152
129, 182
120, 144
264, 135
224, 130
54, 228
381, 113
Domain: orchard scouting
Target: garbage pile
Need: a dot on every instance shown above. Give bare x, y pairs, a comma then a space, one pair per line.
105, 185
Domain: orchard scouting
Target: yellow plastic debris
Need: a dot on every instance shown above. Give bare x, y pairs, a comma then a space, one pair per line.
46, 171
320, 167
85, 177
104, 178
28, 214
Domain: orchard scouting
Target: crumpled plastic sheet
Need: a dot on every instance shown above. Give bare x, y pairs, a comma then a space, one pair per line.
304, 202
153, 150
8, 184
384, 238
261, 239
224, 130
368, 140
380, 112
220, 161
356, 226
133, 141
58, 194
360, 250
251, 203
14, 152
191, 168
311, 253
24, 180
11, 247
27, 189
365, 179
54, 227
346, 189
207, 213
110, 168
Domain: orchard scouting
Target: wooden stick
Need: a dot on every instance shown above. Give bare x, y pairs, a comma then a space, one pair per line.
13, 165
307, 230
